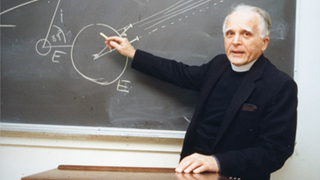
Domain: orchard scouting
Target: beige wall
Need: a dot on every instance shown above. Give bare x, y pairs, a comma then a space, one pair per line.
23, 154
305, 162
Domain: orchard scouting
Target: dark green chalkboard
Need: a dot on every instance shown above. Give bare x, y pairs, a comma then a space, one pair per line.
55, 70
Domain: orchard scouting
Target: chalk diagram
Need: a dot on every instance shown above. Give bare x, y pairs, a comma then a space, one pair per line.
93, 63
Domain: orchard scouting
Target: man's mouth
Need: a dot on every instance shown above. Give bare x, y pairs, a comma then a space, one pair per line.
238, 53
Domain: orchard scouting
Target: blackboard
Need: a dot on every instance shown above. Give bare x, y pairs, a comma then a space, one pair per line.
55, 70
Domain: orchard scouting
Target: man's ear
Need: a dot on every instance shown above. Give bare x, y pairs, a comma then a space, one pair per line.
265, 43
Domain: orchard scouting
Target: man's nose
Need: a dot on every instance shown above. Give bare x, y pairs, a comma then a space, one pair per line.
236, 39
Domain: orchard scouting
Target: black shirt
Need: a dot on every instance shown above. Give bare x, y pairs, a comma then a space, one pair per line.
215, 109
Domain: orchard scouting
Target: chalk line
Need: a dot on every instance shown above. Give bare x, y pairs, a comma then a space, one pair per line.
26, 3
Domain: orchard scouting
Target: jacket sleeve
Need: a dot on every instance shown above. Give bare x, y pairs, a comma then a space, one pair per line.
275, 142
182, 75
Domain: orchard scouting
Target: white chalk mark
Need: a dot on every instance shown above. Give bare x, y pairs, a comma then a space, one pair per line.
155, 14
97, 81
177, 14
173, 14
98, 55
136, 39
8, 10
178, 6
123, 88
57, 56
125, 30
6, 25
23, 4
39, 43
61, 16
54, 15
186, 119
61, 32
60, 46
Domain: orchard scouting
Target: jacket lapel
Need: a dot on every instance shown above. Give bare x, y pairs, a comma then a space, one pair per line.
245, 89
215, 73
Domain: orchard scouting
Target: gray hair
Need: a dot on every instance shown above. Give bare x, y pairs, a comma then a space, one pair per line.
265, 26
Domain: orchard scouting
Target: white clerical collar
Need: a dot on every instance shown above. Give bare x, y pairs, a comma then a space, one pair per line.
243, 68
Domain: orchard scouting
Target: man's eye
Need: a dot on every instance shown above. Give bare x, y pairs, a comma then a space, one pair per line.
229, 33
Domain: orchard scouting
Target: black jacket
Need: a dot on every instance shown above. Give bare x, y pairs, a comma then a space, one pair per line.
257, 134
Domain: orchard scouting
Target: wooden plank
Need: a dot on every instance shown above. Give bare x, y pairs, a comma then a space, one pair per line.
57, 174
114, 169
72, 172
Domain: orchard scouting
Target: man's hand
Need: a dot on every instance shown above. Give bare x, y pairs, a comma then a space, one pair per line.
198, 163
122, 45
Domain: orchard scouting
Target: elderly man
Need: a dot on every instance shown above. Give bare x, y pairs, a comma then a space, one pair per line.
244, 124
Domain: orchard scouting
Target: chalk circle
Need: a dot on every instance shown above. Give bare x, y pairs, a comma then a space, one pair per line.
43, 47
104, 70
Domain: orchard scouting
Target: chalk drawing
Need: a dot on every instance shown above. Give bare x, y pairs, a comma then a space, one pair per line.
55, 38
8, 10
77, 58
123, 86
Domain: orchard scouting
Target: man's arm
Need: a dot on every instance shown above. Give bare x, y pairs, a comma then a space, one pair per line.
180, 74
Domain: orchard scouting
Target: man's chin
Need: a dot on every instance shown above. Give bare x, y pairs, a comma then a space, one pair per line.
236, 61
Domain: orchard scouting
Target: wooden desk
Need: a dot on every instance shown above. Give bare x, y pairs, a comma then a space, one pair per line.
65, 172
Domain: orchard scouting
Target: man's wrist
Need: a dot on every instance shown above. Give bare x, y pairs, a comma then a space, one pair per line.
131, 56
218, 163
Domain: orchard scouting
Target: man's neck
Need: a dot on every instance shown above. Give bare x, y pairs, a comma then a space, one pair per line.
243, 68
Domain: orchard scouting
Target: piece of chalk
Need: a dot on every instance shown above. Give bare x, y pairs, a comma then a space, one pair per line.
103, 35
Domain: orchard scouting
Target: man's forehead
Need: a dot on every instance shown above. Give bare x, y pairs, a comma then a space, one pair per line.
244, 20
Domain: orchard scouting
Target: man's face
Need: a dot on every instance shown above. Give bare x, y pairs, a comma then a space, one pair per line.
242, 40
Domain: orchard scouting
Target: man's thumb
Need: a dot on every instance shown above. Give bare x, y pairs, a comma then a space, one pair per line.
115, 44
